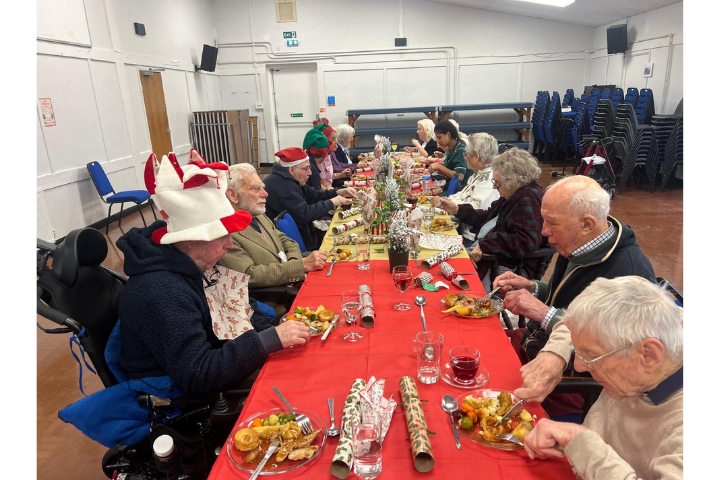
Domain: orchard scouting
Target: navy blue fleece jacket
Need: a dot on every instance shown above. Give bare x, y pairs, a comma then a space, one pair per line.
165, 323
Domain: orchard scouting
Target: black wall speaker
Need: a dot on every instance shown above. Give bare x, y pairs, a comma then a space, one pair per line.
140, 29
617, 39
209, 58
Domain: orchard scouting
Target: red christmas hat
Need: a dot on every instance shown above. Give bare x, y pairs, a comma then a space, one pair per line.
291, 156
192, 199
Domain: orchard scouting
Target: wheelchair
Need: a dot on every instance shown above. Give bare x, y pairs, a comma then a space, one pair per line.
77, 292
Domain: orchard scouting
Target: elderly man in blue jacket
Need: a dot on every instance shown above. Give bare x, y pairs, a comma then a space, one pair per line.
288, 190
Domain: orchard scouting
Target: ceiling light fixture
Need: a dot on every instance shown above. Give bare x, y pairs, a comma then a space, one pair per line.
553, 3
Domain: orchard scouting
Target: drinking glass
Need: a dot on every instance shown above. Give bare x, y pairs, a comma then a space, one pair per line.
464, 362
402, 276
428, 351
428, 216
394, 146
363, 253
350, 301
367, 446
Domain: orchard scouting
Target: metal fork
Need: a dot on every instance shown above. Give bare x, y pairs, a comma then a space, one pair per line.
302, 420
509, 437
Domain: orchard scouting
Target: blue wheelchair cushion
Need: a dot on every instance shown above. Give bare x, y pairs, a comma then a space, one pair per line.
112, 354
266, 309
112, 416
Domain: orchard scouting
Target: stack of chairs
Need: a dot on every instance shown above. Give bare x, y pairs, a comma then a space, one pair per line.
645, 106
568, 98
605, 95
542, 100
634, 145
669, 131
551, 126
632, 96
617, 97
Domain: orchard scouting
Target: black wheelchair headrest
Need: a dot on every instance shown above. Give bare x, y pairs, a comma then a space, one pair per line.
85, 247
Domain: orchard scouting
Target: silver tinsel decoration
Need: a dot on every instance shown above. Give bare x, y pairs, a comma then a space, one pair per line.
392, 194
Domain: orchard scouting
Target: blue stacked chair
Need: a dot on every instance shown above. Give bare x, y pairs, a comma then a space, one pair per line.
617, 98
632, 96
551, 127
568, 97
538, 119
646, 97
605, 95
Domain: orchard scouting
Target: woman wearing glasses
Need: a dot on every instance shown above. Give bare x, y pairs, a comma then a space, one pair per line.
511, 227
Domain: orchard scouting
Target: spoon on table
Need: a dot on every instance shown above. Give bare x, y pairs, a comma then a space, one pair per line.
333, 431
449, 404
429, 351
414, 256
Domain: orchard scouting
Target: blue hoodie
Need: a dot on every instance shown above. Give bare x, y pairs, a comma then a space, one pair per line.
165, 323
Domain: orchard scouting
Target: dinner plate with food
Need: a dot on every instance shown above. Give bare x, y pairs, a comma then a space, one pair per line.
343, 254
249, 441
318, 320
480, 410
471, 305
441, 225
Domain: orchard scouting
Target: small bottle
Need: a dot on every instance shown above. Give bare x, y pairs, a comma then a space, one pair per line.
167, 459
425, 181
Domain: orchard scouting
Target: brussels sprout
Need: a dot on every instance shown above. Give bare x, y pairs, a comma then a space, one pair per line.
466, 423
273, 420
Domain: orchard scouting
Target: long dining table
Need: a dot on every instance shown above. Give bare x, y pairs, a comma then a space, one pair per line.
310, 374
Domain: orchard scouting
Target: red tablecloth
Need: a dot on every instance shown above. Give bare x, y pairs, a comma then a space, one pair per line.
309, 375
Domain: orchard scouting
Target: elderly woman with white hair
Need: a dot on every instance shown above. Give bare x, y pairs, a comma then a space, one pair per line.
426, 145
628, 334
511, 228
479, 192
345, 134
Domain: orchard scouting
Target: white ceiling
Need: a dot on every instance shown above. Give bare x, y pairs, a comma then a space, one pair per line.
593, 13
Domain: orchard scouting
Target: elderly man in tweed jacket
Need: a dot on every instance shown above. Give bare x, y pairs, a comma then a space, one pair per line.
262, 251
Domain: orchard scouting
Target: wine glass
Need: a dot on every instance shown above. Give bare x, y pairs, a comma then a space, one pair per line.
350, 301
394, 146
402, 276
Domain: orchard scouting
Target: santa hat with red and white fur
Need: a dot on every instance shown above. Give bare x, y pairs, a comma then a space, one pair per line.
291, 156
192, 199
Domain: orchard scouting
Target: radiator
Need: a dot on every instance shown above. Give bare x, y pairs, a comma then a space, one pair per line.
45, 231
223, 136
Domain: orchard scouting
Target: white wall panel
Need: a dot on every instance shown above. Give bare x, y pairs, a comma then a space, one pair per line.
141, 133
675, 92
214, 92
110, 109
415, 87
238, 92
43, 162
76, 139
178, 107
98, 24
552, 76
196, 91
353, 89
62, 21
489, 83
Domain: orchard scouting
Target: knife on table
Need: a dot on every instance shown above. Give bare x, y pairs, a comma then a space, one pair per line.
271, 449
329, 329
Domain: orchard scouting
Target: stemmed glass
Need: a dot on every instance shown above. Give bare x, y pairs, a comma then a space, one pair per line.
394, 146
350, 301
402, 276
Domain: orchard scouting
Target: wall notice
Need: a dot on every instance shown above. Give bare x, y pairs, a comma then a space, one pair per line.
46, 109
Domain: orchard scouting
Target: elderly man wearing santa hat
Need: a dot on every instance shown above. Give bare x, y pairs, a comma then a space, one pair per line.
165, 321
288, 190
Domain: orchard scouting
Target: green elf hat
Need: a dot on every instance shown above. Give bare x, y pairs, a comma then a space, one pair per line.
316, 143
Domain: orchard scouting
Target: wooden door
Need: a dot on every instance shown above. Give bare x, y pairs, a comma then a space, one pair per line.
156, 113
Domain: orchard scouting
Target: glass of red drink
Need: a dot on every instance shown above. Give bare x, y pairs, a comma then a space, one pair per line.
464, 362
402, 276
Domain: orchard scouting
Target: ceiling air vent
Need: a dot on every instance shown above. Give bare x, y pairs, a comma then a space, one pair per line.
285, 11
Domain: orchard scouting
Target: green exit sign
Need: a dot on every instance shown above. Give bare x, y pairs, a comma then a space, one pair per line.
296, 115
289, 35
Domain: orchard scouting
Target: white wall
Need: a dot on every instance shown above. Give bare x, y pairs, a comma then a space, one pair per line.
655, 37
89, 60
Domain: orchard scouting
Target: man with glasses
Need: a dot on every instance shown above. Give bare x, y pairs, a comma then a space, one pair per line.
628, 334
287, 190
590, 245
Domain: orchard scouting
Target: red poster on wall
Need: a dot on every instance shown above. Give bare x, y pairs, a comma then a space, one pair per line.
46, 109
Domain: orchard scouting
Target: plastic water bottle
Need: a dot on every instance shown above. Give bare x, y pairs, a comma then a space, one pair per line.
167, 459
425, 181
